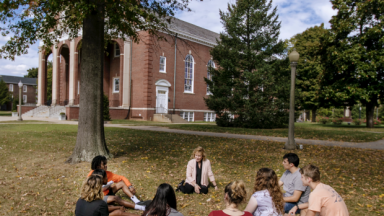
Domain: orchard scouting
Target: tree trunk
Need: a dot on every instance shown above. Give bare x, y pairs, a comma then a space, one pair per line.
370, 110
314, 114
90, 136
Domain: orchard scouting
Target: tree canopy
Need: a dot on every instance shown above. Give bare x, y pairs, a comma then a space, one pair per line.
32, 72
310, 68
353, 55
250, 86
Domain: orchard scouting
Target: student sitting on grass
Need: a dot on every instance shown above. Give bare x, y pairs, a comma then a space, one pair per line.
323, 200
198, 171
110, 199
234, 195
164, 203
91, 201
120, 182
267, 198
295, 192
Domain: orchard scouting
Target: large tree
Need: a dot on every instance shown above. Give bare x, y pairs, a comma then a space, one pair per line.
99, 21
250, 86
310, 68
353, 55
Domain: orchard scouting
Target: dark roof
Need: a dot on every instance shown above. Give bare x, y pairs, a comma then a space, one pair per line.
16, 80
180, 25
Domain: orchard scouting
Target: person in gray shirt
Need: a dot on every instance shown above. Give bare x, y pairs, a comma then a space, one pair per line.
295, 192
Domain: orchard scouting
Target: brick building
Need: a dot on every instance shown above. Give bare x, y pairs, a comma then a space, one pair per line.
153, 76
29, 90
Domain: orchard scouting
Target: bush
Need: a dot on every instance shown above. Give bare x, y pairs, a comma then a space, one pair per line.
337, 121
62, 113
106, 115
357, 121
322, 120
376, 122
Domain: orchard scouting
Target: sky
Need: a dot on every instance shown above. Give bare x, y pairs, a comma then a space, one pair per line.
295, 16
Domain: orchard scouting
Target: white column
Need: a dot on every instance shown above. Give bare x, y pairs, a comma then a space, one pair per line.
54, 76
72, 72
126, 76
40, 79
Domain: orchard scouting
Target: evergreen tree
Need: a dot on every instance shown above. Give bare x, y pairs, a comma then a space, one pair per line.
4, 94
250, 88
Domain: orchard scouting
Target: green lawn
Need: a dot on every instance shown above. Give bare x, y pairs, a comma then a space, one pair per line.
36, 181
346, 133
5, 113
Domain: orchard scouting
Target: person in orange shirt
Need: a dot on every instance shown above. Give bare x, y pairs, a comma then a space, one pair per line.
119, 182
110, 199
323, 200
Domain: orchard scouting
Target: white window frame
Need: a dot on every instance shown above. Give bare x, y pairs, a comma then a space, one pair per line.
78, 87
165, 65
113, 85
188, 116
25, 88
25, 99
116, 48
11, 87
209, 76
209, 117
192, 73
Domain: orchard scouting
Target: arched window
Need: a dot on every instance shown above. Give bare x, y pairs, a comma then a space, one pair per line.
188, 83
210, 65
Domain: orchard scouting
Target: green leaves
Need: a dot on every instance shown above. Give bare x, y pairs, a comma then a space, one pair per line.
49, 20
250, 83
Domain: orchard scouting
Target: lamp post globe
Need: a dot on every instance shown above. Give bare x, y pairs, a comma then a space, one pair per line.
291, 144
20, 92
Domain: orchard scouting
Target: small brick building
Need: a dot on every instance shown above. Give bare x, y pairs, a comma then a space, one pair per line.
29, 90
140, 79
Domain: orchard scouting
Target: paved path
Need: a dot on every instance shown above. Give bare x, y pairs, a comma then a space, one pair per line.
379, 145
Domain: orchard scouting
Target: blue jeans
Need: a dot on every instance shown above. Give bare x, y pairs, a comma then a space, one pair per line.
288, 206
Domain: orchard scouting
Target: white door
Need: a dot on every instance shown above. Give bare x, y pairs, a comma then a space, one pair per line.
162, 101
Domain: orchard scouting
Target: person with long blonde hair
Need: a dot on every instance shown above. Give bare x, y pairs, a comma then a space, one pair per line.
267, 198
91, 201
198, 171
234, 195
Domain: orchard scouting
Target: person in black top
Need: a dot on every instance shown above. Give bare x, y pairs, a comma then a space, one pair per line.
91, 201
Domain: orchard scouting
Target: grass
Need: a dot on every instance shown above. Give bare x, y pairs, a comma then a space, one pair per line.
345, 133
5, 113
36, 181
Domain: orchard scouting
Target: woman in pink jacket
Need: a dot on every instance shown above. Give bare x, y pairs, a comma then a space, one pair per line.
198, 171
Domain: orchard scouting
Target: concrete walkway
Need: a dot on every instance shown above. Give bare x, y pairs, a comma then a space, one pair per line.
379, 145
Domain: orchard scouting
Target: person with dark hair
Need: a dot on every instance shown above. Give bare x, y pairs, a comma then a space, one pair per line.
295, 193
198, 171
110, 199
164, 203
119, 182
323, 200
267, 198
91, 201
234, 195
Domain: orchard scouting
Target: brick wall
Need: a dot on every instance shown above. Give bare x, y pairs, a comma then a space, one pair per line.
31, 94
25, 109
145, 73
